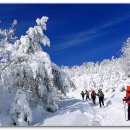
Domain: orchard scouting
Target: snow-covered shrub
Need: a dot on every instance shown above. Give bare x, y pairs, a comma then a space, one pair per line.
20, 111
51, 102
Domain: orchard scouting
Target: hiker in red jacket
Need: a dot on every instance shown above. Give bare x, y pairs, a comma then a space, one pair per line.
127, 100
93, 96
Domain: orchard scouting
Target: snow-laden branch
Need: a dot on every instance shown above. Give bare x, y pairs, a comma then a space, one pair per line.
34, 35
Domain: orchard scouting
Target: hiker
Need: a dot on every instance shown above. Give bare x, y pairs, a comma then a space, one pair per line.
82, 94
93, 96
127, 100
101, 97
87, 95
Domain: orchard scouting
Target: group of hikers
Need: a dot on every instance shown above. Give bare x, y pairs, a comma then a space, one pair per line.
100, 95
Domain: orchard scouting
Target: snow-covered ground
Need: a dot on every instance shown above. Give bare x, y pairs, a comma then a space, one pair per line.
75, 112
72, 112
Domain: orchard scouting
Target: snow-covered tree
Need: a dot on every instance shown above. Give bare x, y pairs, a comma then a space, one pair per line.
61, 80
126, 57
30, 73
7, 38
107, 75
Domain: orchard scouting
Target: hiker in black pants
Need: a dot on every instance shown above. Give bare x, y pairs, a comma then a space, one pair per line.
87, 95
82, 94
93, 96
101, 97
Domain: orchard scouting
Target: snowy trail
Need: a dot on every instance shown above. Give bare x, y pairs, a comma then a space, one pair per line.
72, 112
113, 114
75, 112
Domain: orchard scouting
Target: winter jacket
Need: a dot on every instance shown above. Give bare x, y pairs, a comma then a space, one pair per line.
87, 93
82, 93
100, 94
127, 98
93, 94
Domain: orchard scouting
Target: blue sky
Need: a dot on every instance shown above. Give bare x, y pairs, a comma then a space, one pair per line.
78, 32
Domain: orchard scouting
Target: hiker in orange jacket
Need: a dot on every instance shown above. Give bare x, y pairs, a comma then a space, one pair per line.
127, 100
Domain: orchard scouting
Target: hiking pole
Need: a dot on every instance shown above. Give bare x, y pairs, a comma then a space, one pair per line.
125, 110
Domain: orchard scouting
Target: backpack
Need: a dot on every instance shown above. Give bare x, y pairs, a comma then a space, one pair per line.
87, 93
93, 93
82, 93
128, 94
101, 94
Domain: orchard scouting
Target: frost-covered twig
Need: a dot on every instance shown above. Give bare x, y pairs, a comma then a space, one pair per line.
7, 65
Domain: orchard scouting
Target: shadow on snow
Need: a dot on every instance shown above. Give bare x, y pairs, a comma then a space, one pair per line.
66, 105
